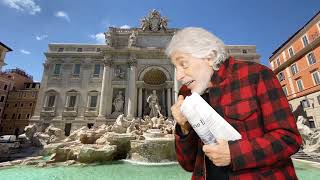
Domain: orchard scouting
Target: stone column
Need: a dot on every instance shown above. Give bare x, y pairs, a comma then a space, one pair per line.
163, 100
45, 100
172, 96
140, 103
67, 101
88, 102
77, 102
42, 98
132, 91
169, 101
176, 86
83, 93
104, 88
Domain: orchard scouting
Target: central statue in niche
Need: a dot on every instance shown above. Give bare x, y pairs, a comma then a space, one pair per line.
118, 103
154, 106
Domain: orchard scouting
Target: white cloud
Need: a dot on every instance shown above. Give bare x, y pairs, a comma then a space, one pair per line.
99, 37
25, 51
23, 5
125, 26
41, 37
62, 14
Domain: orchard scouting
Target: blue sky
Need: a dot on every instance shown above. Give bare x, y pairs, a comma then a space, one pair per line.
28, 26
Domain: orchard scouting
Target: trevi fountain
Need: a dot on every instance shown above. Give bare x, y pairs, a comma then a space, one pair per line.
128, 148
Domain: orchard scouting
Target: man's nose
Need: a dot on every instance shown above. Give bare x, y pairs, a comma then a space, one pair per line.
179, 74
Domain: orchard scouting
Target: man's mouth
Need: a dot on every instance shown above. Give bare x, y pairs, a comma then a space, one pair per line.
189, 82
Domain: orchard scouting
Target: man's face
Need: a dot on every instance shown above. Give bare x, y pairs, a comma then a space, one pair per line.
195, 73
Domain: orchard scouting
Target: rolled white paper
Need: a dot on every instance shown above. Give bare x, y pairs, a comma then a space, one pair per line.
206, 122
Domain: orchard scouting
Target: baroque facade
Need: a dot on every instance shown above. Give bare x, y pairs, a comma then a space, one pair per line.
130, 74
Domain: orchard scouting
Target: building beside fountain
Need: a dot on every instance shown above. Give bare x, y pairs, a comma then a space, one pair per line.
296, 63
89, 84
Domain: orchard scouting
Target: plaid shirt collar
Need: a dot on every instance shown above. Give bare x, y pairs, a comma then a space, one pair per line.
224, 71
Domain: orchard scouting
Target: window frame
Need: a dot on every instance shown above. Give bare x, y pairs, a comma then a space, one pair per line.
278, 62
91, 105
292, 51
61, 49
296, 69
285, 90
318, 98
281, 76
303, 42
2, 98
53, 101
96, 74
75, 68
302, 87
305, 103
55, 69
314, 58
313, 122
89, 102
72, 101
313, 77
69, 94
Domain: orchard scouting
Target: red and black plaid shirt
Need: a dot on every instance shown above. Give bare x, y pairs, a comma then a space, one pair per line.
249, 96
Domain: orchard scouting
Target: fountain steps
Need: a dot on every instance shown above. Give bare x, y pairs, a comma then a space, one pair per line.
302, 155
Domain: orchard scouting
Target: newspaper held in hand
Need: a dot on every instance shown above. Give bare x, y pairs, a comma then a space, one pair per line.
206, 122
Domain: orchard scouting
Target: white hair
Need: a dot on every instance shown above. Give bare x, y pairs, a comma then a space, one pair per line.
199, 43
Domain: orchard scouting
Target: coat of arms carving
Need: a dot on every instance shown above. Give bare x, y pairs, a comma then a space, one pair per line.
154, 22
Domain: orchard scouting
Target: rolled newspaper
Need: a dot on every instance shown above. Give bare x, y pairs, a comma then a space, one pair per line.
206, 122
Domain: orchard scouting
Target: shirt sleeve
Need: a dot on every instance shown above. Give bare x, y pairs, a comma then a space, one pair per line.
186, 148
186, 145
281, 138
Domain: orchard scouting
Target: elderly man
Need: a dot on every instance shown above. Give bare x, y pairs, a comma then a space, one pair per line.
248, 96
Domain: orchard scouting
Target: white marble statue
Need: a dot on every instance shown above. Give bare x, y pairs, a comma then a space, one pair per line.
311, 137
153, 101
132, 39
118, 102
107, 36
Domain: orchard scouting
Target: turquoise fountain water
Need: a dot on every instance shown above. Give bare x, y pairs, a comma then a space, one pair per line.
122, 170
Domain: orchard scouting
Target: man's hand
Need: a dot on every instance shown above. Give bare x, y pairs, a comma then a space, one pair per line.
218, 153
179, 117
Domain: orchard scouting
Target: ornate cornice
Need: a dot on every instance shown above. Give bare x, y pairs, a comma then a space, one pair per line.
73, 55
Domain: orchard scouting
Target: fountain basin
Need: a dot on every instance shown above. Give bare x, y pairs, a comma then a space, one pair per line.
119, 170
154, 150
153, 133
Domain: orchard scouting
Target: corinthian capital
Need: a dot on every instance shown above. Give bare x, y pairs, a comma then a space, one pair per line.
132, 60
46, 65
107, 60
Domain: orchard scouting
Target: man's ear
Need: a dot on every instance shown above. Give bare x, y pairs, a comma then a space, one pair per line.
210, 57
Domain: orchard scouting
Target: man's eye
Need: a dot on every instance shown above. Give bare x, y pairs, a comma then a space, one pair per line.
184, 65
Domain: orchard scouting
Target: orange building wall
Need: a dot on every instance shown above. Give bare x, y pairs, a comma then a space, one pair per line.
297, 45
304, 69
